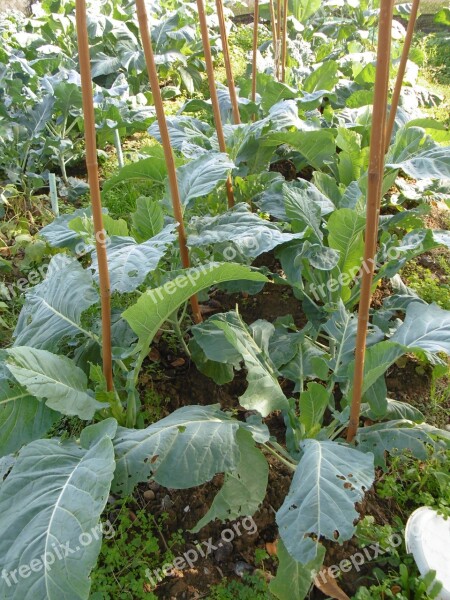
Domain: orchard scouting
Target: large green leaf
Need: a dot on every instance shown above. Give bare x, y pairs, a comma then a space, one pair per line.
272, 199
346, 235
394, 437
50, 505
148, 219
397, 410
304, 215
55, 379
249, 234
53, 309
316, 146
323, 78
184, 450
59, 235
201, 176
313, 404
418, 156
130, 263
328, 481
378, 360
425, 328
263, 393
303, 9
294, 580
23, 418
244, 489
155, 306
150, 170
189, 135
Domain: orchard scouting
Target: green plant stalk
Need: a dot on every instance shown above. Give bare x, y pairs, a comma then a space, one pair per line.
285, 462
118, 145
53, 194
177, 330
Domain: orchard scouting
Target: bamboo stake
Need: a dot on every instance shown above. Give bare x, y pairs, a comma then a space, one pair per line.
401, 72
376, 173
274, 37
255, 51
168, 152
213, 92
92, 168
284, 41
279, 17
228, 67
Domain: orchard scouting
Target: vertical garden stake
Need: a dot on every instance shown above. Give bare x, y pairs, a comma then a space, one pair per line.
213, 92
255, 51
168, 152
374, 186
274, 37
284, 42
401, 72
228, 67
279, 19
92, 168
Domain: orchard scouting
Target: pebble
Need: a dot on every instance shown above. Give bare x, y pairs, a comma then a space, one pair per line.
155, 487
166, 502
149, 495
447, 427
223, 552
242, 568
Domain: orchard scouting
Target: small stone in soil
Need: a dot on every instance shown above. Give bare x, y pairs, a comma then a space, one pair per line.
223, 552
242, 568
166, 502
149, 495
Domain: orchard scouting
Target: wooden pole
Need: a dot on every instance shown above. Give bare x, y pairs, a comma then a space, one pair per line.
255, 51
284, 41
92, 168
401, 72
279, 18
376, 173
228, 67
274, 37
165, 137
213, 92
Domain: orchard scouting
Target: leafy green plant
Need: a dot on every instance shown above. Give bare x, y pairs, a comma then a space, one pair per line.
251, 588
58, 488
127, 554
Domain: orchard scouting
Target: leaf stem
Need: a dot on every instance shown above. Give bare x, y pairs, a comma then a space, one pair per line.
285, 462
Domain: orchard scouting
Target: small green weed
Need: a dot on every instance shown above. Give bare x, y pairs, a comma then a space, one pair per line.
414, 484
125, 557
430, 286
251, 588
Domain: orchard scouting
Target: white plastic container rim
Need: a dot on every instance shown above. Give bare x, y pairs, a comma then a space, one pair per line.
427, 537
